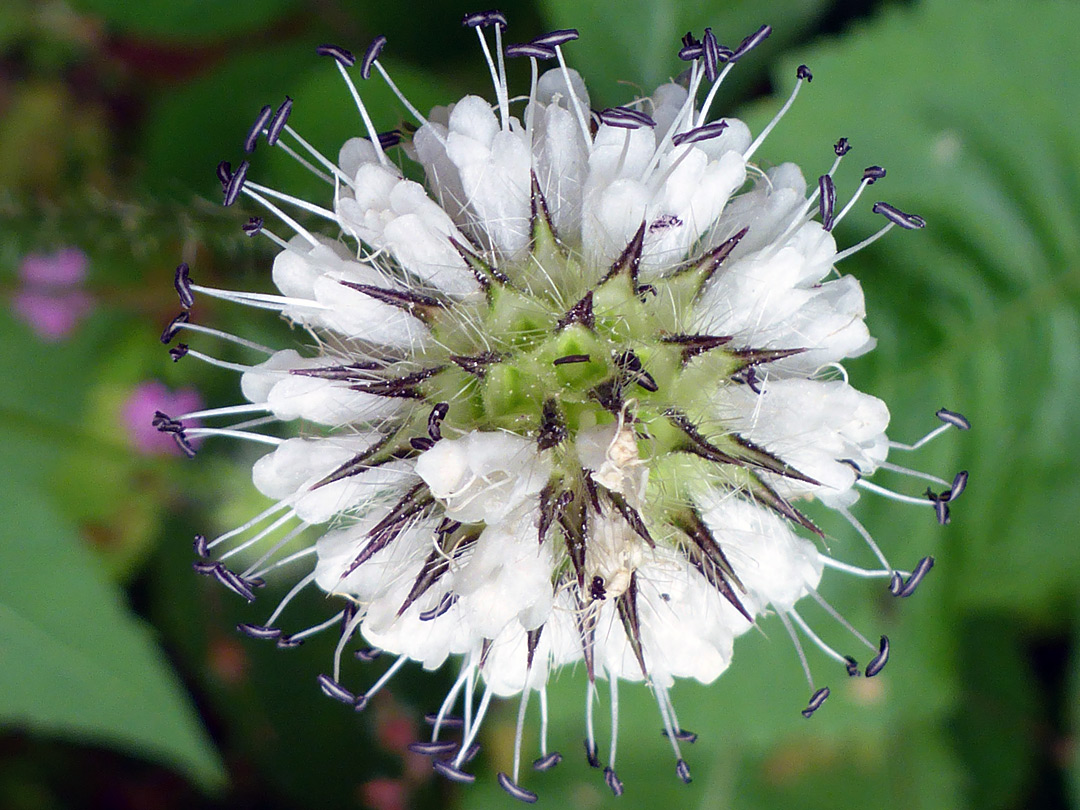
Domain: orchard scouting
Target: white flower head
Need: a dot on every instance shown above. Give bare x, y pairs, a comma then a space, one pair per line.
564, 400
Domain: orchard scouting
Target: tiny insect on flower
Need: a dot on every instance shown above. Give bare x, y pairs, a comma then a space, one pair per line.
567, 397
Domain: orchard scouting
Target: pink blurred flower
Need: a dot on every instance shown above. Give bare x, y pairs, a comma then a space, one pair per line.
51, 299
384, 794
138, 412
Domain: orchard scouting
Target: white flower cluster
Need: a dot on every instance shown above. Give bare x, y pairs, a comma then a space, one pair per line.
563, 399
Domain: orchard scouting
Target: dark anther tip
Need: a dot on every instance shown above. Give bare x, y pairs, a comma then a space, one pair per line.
182, 283
701, 133
917, 576
877, 663
682, 735
803, 72
471, 752
343, 56
711, 51
484, 19
570, 359
871, 174
591, 754
826, 200
204, 568
200, 545
253, 226
236, 184
683, 771
178, 352
370, 55
688, 53
515, 790
390, 138
613, 781
448, 771
224, 172
277, 124
170, 331
288, 642
548, 762
259, 631
421, 443
231, 580
361, 703
751, 42
431, 749
959, 484
953, 418
257, 127
554, 39
852, 666
896, 584
896, 216
448, 721
842, 147
941, 510
816, 699
435, 418
625, 117
530, 49
333, 689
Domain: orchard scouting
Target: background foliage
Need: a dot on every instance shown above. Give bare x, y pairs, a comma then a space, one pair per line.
121, 681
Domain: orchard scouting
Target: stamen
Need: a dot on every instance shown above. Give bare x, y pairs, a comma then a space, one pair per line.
801, 76
295, 638
529, 49
257, 127
553, 39
827, 190
885, 465
613, 683
369, 654
878, 662
277, 124
895, 215
814, 637
701, 133
840, 619
258, 438
201, 549
311, 208
711, 50
842, 147
342, 56
253, 226
625, 118
515, 790
373, 134
953, 418
752, 42
299, 586
315, 153
470, 734
182, 283
444, 768
362, 700
613, 781
433, 749
590, 739
691, 48
224, 172
415, 113
816, 700
333, 689
888, 493
917, 576
236, 184
573, 99
259, 631
370, 55
259, 301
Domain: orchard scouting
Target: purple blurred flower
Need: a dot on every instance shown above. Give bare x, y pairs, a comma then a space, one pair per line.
51, 299
138, 411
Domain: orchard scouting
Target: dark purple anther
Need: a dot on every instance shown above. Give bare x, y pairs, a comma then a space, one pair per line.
842, 147
626, 118
361, 703
170, 331
691, 47
878, 662
164, 424
591, 754
570, 359
816, 699
452, 773
277, 123
515, 790
257, 128
682, 735
530, 49
421, 443
909, 221
188, 450
253, 226
803, 72
613, 782
367, 654
483, 19
959, 484
871, 174
178, 352
827, 200
852, 666
661, 223
433, 749
448, 721
941, 507
712, 54
224, 172
233, 581
182, 283
546, 763
921, 570
390, 138
205, 568
259, 631
751, 42
444, 605
236, 184
553, 39
343, 56
333, 689
702, 133
896, 584
435, 418
471, 752
683, 770
953, 418
201, 548
288, 642
370, 55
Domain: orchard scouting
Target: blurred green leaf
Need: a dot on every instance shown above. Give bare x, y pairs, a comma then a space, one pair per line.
76, 663
979, 312
186, 19
638, 42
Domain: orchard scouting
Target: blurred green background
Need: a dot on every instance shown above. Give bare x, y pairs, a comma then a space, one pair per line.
122, 682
